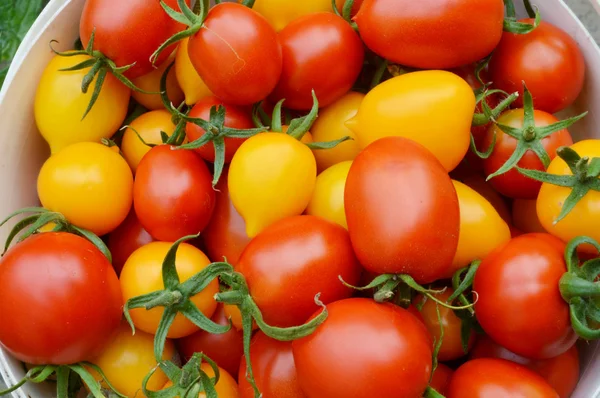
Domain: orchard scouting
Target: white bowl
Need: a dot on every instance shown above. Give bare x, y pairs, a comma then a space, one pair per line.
22, 150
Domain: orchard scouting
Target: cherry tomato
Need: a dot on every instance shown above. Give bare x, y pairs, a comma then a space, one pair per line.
318, 42
173, 194
402, 210
547, 59
525, 216
226, 387
281, 12
188, 78
441, 378
328, 197
73, 295
485, 189
127, 238
151, 82
382, 348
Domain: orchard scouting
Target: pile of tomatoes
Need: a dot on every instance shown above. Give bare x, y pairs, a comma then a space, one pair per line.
307, 199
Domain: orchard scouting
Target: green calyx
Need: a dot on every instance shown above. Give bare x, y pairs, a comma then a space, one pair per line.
462, 283
512, 25
346, 12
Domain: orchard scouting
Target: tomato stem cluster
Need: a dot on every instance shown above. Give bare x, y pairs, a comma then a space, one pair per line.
512, 25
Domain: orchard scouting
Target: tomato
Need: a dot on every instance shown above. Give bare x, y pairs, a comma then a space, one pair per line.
235, 316
441, 378
512, 183
142, 274
281, 12
561, 372
431, 34
237, 54
129, 358
402, 210
89, 184
525, 216
235, 117
382, 348
190, 81
60, 104
511, 282
273, 367
291, 261
355, 7
127, 238
151, 82
226, 387
73, 294
321, 52
485, 189
547, 59
271, 177
433, 108
330, 126
481, 228
328, 197
149, 126
173, 194
482, 378
128, 32
225, 349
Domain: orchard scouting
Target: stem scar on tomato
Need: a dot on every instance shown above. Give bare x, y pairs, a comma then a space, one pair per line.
512, 25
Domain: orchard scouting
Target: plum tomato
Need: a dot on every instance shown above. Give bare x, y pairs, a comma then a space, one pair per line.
328, 197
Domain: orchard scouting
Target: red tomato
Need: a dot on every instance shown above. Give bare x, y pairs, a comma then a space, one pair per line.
561, 372
402, 210
237, 54
172, 193
321, 52
291, 261
547, 59
128, 32
485, 378
511, 283
365, 349
431, 34
225, 349
235, 117
60, 300
273, 367
127, 238
441, 378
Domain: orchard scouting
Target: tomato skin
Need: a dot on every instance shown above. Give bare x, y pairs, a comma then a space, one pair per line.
281, 12
441, 378
402, 210
274, 369
510, 313
357, 335
151, 82
431, 34
525, 216
513, 184
77, 300
235, 117
188, 78
318, 42
172, 194
305, 255
328, 197
127, 238
482, 378
241, 66
556, 75
500, 203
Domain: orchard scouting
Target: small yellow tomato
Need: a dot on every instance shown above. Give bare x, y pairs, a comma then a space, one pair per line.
148, 126
328, 197
481, 227
281, 12
142, 274
90, 184
226, 387
271, 177
189, 80
331, 125
434, 108
525, 218
151, 83
60, 105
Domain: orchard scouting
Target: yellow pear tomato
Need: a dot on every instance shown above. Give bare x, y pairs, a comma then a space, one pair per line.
60, 105
525, 218
271, 177
328, 197
90, 184
281, 12
189, 80
434, 108
226, 387
151, 83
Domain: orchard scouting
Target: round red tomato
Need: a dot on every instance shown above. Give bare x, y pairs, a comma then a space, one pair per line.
365, 349
547, 59
402, 210
291, 261
127, 238
237, 54
431, 34
60, 300
519, 303
321, 52
172, 193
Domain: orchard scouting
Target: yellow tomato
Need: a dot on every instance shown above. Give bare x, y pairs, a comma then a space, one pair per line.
189, 80
481, 227
129, 358
142, 274
148, 126
151, 83
271, 177
235, 316
60, 105
90, 184
331, 126
434, 108
525, 216
226, 387
328, 197
281, 12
